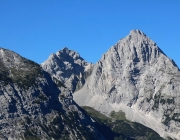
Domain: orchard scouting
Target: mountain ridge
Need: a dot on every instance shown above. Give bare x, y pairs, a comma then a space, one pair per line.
135, 76
33, 106
68, 67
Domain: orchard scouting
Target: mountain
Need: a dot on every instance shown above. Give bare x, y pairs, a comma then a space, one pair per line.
117, 127
35, 106
69, 68
136, 77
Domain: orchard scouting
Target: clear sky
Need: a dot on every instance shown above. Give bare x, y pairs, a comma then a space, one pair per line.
37, 28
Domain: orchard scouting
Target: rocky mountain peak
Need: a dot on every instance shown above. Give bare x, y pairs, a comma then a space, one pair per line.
10, 58
135, 47
136, 32
34, 106
68, 67
135, 76
16, 69
65, 48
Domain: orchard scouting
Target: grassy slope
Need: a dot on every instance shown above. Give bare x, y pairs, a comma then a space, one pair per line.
118, 128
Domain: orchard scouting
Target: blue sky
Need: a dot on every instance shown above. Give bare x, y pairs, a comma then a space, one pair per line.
37, 28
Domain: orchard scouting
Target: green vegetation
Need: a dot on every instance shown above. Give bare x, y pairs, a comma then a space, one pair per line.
28, 135
42, 97
168, 138
37, 101
24, 74
57, 130
119, 128
96, 114
32, 138
28, 121
118, 115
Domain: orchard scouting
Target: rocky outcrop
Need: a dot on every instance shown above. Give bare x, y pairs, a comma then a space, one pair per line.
69, 68
135, 76
33, 106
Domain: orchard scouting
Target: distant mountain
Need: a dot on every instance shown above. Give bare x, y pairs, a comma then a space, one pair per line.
68, 67
34, 106
136, 77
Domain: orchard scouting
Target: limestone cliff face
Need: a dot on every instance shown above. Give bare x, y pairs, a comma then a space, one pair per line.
137, 77
68, 67
33, 106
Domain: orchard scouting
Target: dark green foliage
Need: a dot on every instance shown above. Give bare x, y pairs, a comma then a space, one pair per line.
32, 138
120, 138
118, 115
57, 120
4, 73
24, 75
119, 128
57, 131
28, 121
95, 113
42, 97
37, 101
28, 135
152, 136
72, 119
168, 138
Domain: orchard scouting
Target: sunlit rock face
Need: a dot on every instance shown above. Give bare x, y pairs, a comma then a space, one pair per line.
137, 77
68, 67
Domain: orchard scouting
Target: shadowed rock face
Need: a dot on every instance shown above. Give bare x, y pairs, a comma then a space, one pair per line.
137, 77
33, 106
69, 68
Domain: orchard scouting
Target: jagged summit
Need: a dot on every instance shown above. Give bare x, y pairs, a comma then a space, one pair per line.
68, 54
8, 57
68, 67
137, 32
135, 76
138, 36
15, 68
65, 48
138, 47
